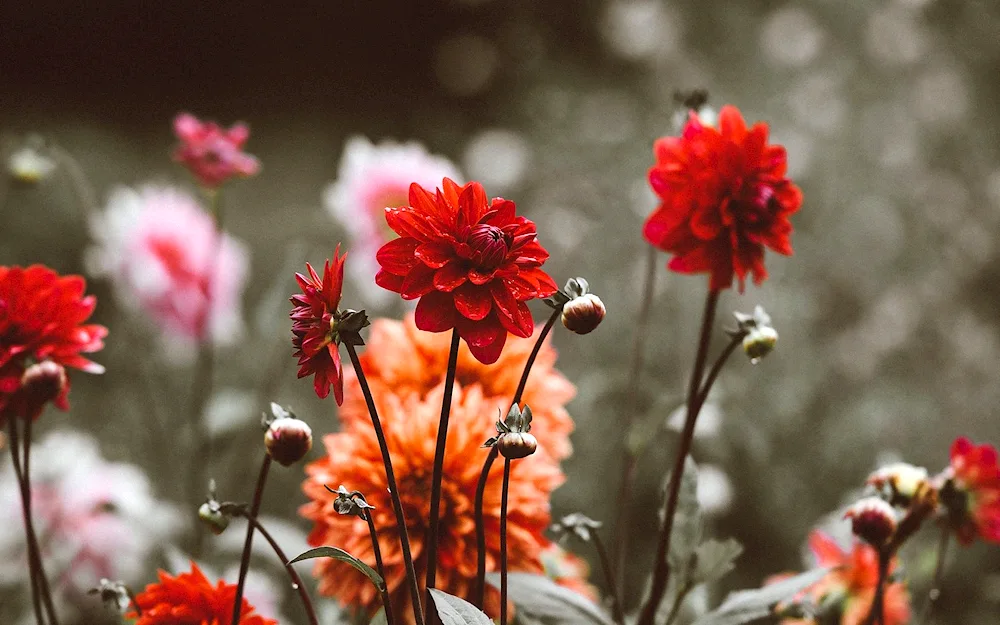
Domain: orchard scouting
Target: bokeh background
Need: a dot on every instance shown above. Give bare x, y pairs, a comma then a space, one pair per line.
890, 344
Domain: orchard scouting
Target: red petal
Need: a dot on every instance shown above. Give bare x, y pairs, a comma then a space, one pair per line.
731, 124
451, 276
434, 253
472, 202
418, 282
397, 256
485, 339
435, 312
389, 282
472, 301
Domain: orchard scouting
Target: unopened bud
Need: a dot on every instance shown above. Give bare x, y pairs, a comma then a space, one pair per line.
41, 383
29, 165
759, 342
212, 517
515, 445
288, 440
873, 520
583, 314
902, 482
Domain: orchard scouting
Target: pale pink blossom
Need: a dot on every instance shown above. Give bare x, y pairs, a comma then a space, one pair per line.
164, 255
372, 177
94, 518
213, 154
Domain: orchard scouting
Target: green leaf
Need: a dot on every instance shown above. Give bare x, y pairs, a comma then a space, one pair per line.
713, 559
543, 601
744, 606
454, 611
379, 618
687, 520
339, 554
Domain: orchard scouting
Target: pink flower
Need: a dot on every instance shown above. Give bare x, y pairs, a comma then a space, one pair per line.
94, 518
213, 155
164, 255
370, 179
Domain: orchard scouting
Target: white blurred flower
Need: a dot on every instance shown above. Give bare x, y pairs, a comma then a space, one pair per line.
29, 163
715, 490
162, 251
498, 159
95, 519
370, 178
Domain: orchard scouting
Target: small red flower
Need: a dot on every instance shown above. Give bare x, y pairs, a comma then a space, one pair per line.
471, 262
213, 155
973, 493
190, 599
315, 316
724, 197
40, 321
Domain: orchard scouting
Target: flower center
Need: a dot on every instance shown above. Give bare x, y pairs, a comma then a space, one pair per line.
489, 246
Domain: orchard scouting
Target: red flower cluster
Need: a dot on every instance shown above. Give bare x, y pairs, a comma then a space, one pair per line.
190, 599
213, 155
976, 480
41, 314
470, 261
314, 323
724, 197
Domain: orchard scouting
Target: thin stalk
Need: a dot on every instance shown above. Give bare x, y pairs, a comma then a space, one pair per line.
480, 593
616, 602
386, 601
480, 589
258, 495
293, 575
934, 594
678, 602
43, 582
631, 410
438, 474
15, 454
877, 613
713, 373
390, 476
503, 541
661, 572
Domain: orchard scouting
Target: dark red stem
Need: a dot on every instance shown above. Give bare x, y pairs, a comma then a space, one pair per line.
386, 600
503, 541
293, 575
258, 495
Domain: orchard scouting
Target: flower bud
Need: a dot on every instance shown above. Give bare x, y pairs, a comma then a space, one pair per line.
288, 440
873, 520
902, 481
41, 383
583, 314
212, 517
759, 342
515, 445
29, 165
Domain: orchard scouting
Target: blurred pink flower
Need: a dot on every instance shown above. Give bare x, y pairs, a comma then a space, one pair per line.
94, 518
162, 252
371, 178
212, 154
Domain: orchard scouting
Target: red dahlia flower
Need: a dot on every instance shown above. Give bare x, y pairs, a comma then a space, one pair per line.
471, 262
190, 599
724, 197
314, 324
972, 495
213, 155
40, 320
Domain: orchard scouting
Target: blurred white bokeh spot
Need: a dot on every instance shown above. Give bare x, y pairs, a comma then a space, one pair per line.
896, 36
641, 30
497, 158
465, 63
715, 490
941, 95
791, 37
817, 102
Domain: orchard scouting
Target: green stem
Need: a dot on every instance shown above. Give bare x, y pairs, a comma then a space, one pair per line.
258, 495
390, 476
609, 576
438, 473
631, 410
661, 571
678, 602
934, 594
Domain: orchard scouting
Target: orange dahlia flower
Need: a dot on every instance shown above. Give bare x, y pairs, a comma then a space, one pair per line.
724, 197
403, 359
190, 599
410, 422
850, 586
41, 320
471, 262
972, 495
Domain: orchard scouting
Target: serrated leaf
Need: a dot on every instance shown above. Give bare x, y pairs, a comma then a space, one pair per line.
687, 520
544, 601
455, 611
713, 559
744, 606
339, 554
